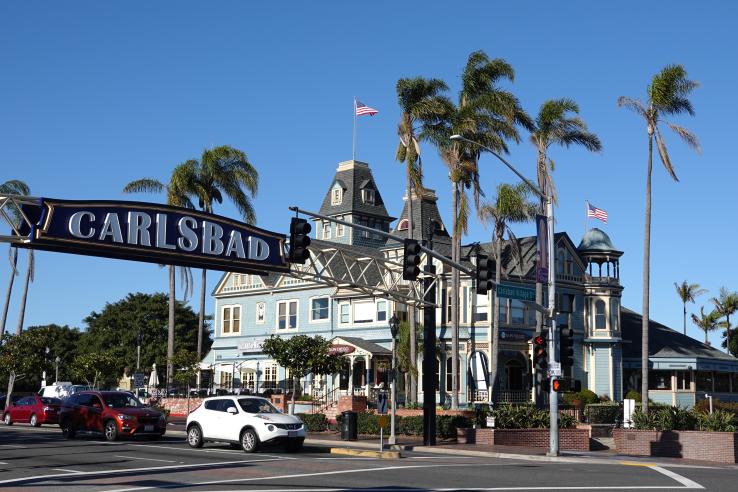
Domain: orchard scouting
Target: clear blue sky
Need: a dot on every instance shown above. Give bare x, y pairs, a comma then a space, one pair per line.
96, 94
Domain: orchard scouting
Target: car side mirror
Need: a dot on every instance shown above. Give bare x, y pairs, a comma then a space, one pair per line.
232, 410
97, 406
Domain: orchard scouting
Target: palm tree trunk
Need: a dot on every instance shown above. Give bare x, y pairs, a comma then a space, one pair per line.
170, 336
14, 259
706, 342
727, 332
495, 342
685, 317
454, 302
646, 278
24, 296
411, 309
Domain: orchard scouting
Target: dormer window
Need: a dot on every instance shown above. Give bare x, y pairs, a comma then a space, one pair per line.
336, 196
404, 224
367, 196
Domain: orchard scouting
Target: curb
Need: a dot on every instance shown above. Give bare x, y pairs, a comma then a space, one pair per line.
384, 455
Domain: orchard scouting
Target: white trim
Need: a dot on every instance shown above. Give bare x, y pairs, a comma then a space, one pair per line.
231, 333
386, 310
324, 225
310, 310
287, 314
612, 375
340, 321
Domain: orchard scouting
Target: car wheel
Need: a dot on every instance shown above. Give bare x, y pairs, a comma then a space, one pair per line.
68, 430
249, 441
111, 430
194, 436
34, 421
294, 446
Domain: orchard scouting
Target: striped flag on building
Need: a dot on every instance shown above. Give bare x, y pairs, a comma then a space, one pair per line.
362, 109
597, 213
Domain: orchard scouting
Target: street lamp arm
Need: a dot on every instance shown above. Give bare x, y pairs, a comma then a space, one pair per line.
533, 187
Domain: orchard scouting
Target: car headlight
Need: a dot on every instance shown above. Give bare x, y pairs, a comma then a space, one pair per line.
122, 416
162, 418
263, 417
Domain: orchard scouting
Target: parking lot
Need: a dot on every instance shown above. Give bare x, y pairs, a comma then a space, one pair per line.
41, 458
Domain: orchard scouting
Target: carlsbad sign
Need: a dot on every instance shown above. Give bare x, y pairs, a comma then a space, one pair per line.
152, 233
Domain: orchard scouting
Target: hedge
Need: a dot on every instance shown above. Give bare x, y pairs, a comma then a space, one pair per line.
603, 413
726, 406
315, 422
675, 418
527, 417
446, 425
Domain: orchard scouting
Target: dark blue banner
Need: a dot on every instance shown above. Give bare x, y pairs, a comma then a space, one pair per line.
153, 233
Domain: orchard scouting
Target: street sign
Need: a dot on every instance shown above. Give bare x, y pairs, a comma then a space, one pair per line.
382, 403
382, 421
554, 369
139, 380
514, 292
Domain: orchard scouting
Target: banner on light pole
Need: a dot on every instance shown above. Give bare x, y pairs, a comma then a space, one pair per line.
542, 265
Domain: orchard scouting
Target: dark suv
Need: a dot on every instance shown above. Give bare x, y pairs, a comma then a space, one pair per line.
112, 413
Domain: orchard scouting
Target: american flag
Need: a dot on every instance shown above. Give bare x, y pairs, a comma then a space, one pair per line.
362, 108
597, 213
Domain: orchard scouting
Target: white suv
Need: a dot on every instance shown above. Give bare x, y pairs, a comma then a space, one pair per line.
245, 421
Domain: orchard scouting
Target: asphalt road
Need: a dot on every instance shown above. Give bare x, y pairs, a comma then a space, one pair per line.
41, 459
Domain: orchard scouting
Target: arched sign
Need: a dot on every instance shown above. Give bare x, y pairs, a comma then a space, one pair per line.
152, 233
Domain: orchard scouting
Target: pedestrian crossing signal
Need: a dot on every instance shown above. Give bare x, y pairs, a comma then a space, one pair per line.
540, 355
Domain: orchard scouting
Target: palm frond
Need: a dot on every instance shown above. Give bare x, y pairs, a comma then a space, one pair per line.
664, 154
145, 185
15, 187
633, 104
669, 89
687, 136
13, 259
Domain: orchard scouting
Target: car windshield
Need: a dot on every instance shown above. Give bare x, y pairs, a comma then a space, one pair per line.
121, 400
256, 405
51, 401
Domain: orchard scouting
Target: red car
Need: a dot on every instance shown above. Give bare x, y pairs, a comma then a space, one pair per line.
112, 413
35, 410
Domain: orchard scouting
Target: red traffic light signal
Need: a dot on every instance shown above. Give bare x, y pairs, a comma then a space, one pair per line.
556, 385
540, 355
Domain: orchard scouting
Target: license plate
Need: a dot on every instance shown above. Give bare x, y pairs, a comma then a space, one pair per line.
148, 428
291, 433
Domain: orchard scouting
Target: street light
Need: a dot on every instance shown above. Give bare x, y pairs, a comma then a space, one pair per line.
551, 314
56, 367
394, 325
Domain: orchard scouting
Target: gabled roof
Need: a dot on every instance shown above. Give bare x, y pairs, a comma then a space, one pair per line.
353, 176
663, 342
425, 210
371, 347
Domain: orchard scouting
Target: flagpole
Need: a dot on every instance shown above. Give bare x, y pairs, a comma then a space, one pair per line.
353, 150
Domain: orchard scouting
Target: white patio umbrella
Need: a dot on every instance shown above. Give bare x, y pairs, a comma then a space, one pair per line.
154, 377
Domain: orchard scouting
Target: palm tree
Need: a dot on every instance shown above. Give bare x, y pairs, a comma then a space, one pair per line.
15, 187
422, 104
726, 304
706, 322
221, 171
688, 293
488, 115
667, 96
511, 205
175, 197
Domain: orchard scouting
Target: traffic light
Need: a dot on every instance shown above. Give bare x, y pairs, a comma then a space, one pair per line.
299, 240
566, 346
540, 355
567, 384
411, 260
484, 275
556, 385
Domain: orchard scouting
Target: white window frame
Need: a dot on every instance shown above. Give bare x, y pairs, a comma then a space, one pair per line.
340, 314
256, 313
326, 230
287, 302
354, 305
327, 319
340, 228
604, 314
230, 308
386, 311
336, 195
368, 196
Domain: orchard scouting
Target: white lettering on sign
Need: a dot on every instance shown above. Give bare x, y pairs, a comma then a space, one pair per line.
111, 227
188, 241
75, 225
258, 249
235, 243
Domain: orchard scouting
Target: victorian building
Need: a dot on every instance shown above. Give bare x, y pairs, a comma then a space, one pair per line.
250, 308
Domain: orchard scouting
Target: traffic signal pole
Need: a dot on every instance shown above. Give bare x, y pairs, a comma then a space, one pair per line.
552, 332
429, 351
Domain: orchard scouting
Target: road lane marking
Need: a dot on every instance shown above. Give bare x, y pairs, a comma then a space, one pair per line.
66, 470
147, 459
688, 484
3, 463
130, 470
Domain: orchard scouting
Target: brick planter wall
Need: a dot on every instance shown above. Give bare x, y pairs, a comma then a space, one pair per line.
353, 403
178, 406
405, 412
694, 445
569, 439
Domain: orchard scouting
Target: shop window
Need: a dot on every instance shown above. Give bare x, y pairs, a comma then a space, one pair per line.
517, 312
481, 309
684, 380
319, 309
600, 317
659, 380
722, 382
503, 311
704, 381
270, 377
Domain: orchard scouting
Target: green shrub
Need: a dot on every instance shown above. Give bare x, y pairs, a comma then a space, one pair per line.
446, 425
527, 417
603, 413
642, 421
726, 406
633, 395
585, 396
566, 421
411, 426
315, 422
367, 423
718, 421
